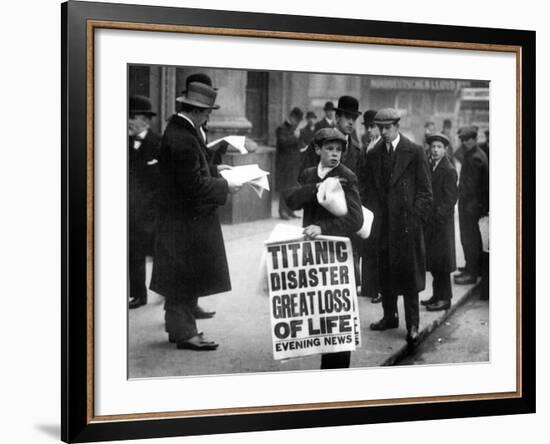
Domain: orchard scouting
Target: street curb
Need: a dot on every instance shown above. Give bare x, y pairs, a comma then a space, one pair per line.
423, 334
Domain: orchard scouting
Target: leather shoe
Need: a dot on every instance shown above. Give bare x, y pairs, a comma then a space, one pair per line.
172, 338
465, 279
284, 216
197, 343
200, 313
429, 301
412, 337
376, 299
438, 305
137, 302
385, 324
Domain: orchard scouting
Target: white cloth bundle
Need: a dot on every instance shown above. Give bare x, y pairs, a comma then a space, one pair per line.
368, 217
484, 230
330, 195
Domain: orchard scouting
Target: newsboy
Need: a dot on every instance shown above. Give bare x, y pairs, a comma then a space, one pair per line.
440, 226
398, 190
190, 259
329, 145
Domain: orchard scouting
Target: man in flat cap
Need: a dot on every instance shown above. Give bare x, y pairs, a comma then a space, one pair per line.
143, 177
318, 220
397, 189
287, 161
328, 121
440, 226
473, 203
190, 259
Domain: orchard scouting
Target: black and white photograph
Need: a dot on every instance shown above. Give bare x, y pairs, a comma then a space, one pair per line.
287, 221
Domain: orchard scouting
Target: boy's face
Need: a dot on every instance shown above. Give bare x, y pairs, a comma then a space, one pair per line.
437, 149
330, 153
311, 121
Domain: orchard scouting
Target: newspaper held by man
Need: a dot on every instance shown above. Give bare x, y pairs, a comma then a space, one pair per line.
251, 174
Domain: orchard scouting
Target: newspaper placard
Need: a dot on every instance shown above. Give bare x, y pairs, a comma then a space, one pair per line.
313, 297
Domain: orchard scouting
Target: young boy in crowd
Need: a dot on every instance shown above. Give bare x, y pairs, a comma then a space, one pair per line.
329, 146
440, 228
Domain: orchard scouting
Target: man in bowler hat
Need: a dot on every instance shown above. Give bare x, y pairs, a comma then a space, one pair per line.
347, 113
397, 189
190, 260
370, 286
287, 161
143, 177
473, 203
308, 131
328, 121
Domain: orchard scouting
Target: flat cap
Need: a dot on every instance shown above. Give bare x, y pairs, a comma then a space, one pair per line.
438, 137
467, 132
386, 116
328, 134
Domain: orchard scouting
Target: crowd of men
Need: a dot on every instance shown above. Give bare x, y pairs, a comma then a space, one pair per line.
412, 191
175, 189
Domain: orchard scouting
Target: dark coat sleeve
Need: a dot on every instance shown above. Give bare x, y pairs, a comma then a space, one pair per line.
193, 185
423, 193
302, 194
353, 220
286, 139
446, 207
367, 183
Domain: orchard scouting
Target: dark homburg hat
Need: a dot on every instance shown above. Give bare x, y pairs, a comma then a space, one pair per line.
368, 117
386, 116
200, 78
297, 112
199, 95
439, 137
348, 105
311, 115
141, 105
467, 132
329, 106
328, 134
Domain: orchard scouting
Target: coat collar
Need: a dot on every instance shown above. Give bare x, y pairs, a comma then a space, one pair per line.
403, 155
441, 167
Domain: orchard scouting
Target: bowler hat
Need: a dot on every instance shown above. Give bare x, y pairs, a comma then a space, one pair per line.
439, 137
328, 134
386, 116
368, 117
199, 95
311, 115
141, 105
329, 106
467, 132
348, 105
200, 78
297, 112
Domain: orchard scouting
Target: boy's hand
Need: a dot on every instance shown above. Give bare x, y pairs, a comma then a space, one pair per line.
312, 231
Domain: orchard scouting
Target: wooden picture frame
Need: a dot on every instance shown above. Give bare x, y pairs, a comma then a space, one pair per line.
79, 22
